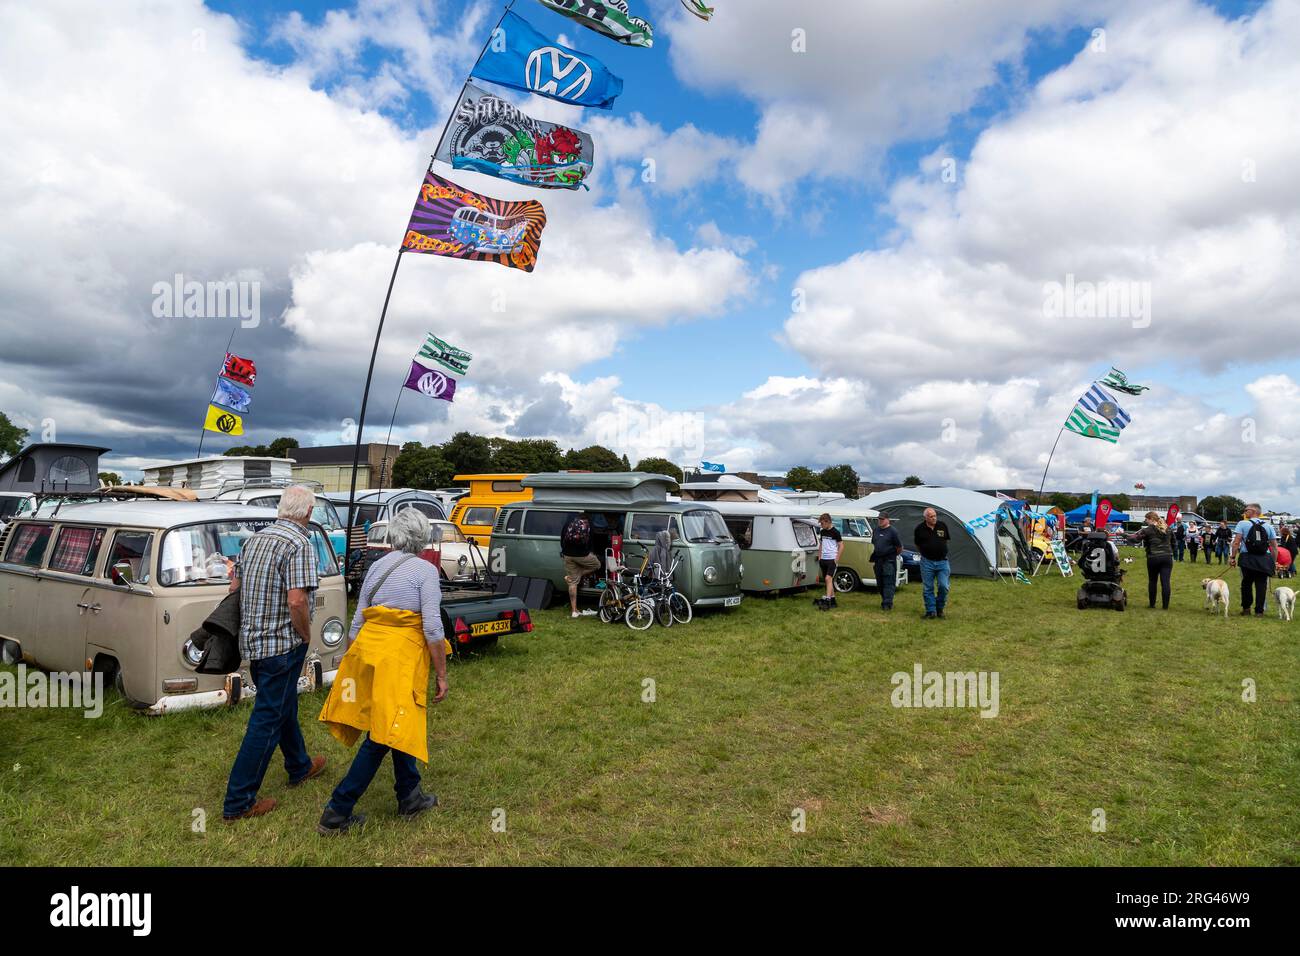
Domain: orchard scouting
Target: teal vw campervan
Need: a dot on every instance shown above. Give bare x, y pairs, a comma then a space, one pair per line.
631, 505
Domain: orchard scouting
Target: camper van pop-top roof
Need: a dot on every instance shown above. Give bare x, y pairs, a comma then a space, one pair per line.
616, 488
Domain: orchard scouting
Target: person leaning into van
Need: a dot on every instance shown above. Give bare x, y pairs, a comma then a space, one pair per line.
886, 547
1254, 550
579, 561
276, 576
382, 684
931, 538
1158, 540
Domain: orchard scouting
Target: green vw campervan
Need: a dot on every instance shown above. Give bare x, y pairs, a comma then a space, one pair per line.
630, 505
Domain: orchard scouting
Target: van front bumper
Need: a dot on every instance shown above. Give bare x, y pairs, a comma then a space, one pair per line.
727, 600
237, 687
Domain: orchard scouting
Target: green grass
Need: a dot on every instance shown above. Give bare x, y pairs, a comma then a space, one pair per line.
769, 708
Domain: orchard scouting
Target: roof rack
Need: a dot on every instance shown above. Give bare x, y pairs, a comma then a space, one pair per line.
241, 484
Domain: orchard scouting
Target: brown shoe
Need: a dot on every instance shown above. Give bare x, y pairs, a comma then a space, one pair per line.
259, 809
317, 765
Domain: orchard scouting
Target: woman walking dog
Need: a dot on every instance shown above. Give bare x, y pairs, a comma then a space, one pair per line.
1157, 540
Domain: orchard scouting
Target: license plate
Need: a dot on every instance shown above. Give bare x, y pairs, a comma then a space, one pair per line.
489, 627
731, 601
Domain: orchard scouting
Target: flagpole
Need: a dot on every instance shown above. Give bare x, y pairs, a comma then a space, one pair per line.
389, 439
1038, 498
361, 424
456, 102
203, 432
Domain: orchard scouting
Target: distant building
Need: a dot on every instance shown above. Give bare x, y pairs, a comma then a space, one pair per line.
52, 466
331, 465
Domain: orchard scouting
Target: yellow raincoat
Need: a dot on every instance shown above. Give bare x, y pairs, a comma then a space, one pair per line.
382, 684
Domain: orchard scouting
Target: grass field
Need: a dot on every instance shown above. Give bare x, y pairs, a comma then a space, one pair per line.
759, 712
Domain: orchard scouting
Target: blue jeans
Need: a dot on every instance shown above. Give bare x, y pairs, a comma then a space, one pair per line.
932, 573
273, 722
406, 776
887, 580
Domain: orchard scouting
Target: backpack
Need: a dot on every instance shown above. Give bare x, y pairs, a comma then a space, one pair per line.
1257, 538
575, 539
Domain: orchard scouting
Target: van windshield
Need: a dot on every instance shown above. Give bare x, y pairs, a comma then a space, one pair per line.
205, 553
705, 527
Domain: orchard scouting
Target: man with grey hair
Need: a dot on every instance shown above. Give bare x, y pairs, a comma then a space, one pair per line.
396, 633
276, 575
1254, 549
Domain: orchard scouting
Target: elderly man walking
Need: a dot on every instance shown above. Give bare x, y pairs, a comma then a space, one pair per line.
276, 575
1254, 550
931, 538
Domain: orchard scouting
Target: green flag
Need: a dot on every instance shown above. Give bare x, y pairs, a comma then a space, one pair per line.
1081, 423
448, 356
1119, 381
1022, 577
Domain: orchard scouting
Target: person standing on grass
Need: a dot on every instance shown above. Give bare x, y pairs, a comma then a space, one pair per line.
1223, 541
276, 576
886, 548
1254, 550
1180, 540
832, 547
1158, 541
1193, 541
1288, 540
931, 538
382, 685
579, 561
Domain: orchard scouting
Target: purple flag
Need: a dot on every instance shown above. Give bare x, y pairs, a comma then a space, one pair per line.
431, 383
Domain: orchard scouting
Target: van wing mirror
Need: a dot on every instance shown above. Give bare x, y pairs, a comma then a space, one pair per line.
121, 574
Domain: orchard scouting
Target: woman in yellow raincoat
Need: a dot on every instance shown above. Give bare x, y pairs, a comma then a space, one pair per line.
382, 684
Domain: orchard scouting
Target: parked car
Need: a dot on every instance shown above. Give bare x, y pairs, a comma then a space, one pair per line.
118, 587
476, 512
627, 509
778, 544
456, 556
259, 495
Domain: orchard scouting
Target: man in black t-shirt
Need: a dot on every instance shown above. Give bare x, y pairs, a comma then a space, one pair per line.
886, 548
931, 538
832, 546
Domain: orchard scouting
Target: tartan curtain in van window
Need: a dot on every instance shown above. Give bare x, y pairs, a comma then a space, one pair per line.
73, 550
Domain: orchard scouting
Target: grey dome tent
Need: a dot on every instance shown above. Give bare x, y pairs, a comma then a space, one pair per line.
993, 548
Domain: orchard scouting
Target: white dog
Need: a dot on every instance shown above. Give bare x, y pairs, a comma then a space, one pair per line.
1216, 593
1285, 602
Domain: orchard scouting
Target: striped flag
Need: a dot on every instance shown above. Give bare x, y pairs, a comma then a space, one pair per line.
1022, 577
1104, 405
1119, 381
1081, 423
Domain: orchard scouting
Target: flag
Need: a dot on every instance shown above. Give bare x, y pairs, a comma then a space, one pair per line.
1139, 486
1103, 514
491, 136
1022, 577
448, 356
710, 466
1081, 423
431, 383
242, 370
521, 58
1103, 404
1119, 381
1171, 516
222, 421
450, 221
231, 395
698, 8
609, 18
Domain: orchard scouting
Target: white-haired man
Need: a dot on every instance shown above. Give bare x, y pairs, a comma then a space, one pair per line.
276, 575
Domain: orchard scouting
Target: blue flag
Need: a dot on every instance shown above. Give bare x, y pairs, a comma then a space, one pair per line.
710, 466
231, 395
521, 58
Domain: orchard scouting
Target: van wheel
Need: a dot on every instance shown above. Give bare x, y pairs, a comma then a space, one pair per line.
846, 580
112, 671
10, 653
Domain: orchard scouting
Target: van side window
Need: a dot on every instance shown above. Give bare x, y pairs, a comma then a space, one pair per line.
514, 519
646, 526
506, 487
133, 547
28, 545
547, 524
477, 516
742, 529
76, 549
804, 535
430, 511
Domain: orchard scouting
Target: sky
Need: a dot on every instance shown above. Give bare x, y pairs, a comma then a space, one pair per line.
864, 232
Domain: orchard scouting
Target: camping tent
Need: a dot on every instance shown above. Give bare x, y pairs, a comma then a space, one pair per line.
1085, 511
999, 545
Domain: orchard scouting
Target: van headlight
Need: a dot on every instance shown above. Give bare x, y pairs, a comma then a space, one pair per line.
461, 562
332, 632
742, 571
192, 654
711, 574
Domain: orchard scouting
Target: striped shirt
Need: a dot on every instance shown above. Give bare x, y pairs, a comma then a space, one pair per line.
412, 587
274, 561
